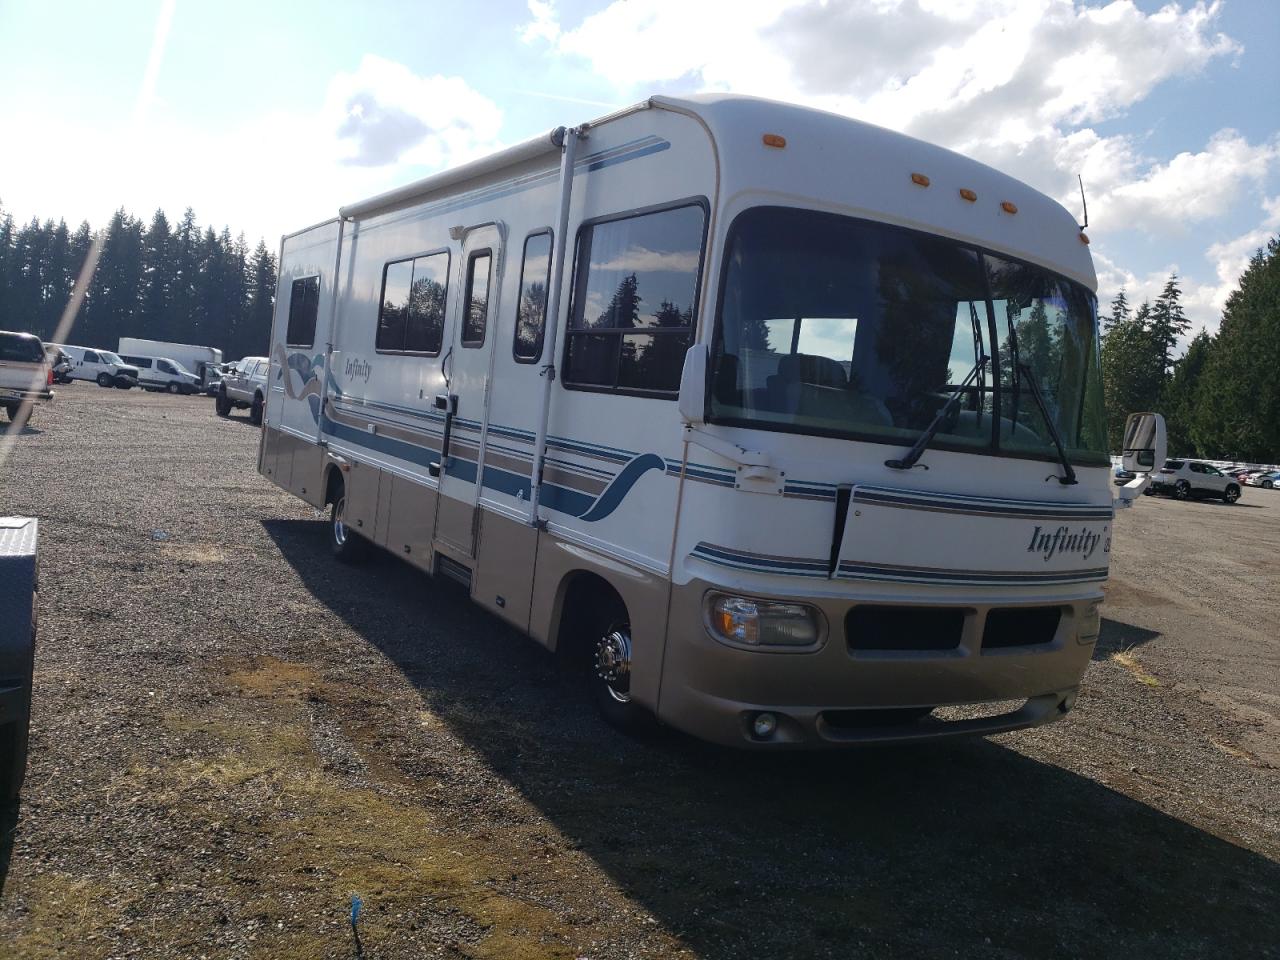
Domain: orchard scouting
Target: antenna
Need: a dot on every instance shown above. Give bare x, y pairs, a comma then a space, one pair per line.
1083, 202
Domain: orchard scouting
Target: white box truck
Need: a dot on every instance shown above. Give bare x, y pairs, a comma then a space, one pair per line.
204, 362
786, 428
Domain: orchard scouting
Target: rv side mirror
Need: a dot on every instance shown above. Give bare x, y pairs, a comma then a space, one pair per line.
693, 385
1145, 444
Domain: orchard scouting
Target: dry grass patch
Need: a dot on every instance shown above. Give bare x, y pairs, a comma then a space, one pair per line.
1126, 659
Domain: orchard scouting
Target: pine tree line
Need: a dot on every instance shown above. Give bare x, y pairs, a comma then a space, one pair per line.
157, 281
1221, 399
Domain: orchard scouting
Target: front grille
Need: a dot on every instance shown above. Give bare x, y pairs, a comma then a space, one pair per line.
1020, 627
895, 629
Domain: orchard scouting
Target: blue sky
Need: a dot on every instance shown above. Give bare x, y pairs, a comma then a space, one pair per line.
266, 117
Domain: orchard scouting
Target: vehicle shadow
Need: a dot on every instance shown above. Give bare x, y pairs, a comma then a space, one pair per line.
8, 833
1116, 636
963, 849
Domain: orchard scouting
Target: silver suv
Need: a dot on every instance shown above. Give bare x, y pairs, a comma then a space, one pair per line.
1185, 479
244, 384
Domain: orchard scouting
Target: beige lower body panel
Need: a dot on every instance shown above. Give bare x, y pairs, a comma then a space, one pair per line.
503, 578
412, 520
713, 690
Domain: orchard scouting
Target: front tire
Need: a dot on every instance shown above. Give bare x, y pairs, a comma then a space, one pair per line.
221, 404
174, 389
104, 379
1231, 494
611, 680
1268, 484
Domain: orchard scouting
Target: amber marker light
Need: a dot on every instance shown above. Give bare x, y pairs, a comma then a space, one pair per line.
773, 140
1084, 237
968, 194
1008, 207
919, 179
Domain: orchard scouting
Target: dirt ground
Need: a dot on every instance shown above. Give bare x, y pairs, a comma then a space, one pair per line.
233, 734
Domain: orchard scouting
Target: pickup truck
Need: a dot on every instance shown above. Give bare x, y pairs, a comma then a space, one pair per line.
25, 375
244, 384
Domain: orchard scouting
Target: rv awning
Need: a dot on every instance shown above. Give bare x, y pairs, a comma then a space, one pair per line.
530, 149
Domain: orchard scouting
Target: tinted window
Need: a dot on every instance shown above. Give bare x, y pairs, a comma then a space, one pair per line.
531, 308
635, 284
304, 304
411, 319
167, 367
17, 349
91, 357
1173, 464
475, 312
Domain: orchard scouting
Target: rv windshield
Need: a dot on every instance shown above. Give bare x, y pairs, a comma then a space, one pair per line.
842, 327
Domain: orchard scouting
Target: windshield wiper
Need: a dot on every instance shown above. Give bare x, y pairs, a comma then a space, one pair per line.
918, 448
1025, 371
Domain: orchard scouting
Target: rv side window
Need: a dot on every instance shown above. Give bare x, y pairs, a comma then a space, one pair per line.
531, 307
411, 319
635, 285
475, 313
304, 303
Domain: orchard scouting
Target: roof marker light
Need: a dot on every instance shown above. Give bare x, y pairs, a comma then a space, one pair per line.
1008, 207
968, 194
773, 140
919, 179
1084, 237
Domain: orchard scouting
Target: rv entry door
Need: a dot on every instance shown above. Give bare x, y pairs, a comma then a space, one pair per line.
467, 368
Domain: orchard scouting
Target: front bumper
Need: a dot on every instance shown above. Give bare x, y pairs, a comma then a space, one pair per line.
836, 696
25, 396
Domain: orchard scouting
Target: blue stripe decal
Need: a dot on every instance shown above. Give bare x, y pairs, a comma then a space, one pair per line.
622, 484
861, 571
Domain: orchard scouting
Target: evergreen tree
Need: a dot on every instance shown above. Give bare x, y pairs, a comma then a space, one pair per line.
1181, 396
1131, 373
252, 339
1168, 323
158, 277
1119, 312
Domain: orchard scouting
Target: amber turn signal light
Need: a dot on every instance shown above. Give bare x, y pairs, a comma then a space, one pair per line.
1084, 237
773, 140
968, 194
1008, 207
919, 179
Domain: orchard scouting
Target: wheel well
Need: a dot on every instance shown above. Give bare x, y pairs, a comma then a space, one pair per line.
333, 482
588, 602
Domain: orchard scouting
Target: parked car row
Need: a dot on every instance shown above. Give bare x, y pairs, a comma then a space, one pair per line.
1267, 479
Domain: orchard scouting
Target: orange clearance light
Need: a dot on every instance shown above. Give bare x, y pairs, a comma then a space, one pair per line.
1008, 207
773, 140
1084, 237
919, 179
968, 194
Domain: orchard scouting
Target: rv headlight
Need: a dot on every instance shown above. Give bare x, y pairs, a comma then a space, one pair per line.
761, 623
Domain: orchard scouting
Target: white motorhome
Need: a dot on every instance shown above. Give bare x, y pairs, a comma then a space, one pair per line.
785, 427
202, 361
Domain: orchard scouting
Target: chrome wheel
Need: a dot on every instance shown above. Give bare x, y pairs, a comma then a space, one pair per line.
613, 663
1232, 494
1182, 490
339, 522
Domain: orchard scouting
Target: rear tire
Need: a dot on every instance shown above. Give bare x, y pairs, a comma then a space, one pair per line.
255, 411
1268, 484
1182, 490
346, 545
1231, 494
174, 388
104, 379
19, 414
221, 404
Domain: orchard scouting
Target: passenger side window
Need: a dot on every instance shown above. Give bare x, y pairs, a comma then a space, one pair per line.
411, 319
531, 307
91, 357
304, 304
475, 313
634, 293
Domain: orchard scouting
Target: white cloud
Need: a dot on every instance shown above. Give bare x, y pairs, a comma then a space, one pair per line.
385, 113
377, 127
1190, 188
640, 259
543, 25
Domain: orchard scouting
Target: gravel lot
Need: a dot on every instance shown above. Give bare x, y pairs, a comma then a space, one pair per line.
233, 734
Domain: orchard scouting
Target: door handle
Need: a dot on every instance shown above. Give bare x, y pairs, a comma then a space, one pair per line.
448, 402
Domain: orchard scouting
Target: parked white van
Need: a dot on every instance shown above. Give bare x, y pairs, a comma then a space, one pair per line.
162, 373
101, 366
787, 428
